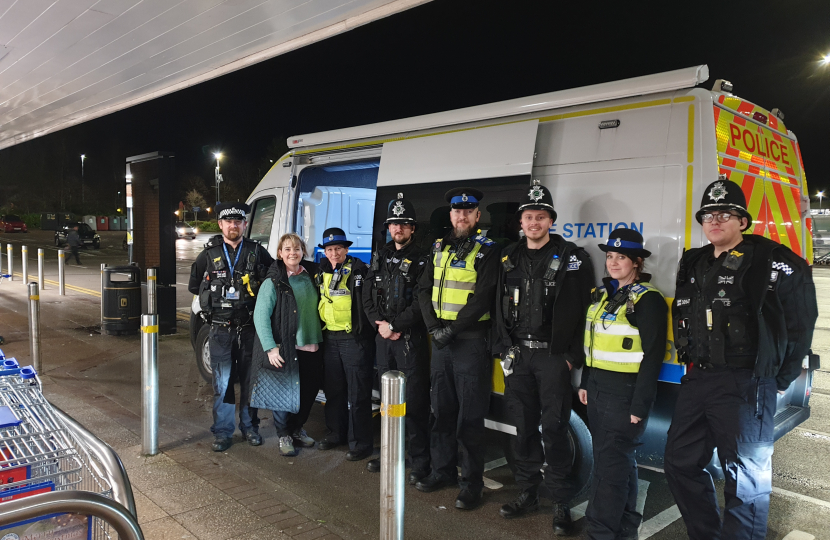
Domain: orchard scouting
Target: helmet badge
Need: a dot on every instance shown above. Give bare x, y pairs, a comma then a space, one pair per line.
536, 193
331, 237
617, 243
718, 192
464, 197
398, 209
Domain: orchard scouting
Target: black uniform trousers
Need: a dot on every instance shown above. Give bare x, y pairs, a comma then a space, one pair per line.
612, 500
539, 390
460, 383
409, 355
231, 350
732, 410
347, 382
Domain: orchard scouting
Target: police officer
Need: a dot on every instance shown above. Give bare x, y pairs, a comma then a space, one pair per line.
625, 342
744, 314
347, 354
391, 304
226, 276
544, 290
456, 293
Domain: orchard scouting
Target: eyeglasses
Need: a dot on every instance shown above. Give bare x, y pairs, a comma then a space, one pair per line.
722, 217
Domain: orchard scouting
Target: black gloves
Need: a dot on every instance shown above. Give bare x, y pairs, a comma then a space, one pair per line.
443, 336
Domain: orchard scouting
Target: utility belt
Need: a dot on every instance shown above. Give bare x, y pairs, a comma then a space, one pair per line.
731, 363
531, 344
337, 334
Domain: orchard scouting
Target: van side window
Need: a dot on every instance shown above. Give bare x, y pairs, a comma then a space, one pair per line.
262, 218
498, 221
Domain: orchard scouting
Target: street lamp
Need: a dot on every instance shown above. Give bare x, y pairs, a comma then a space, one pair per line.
83, 157
826, 59
820, 196
216, 175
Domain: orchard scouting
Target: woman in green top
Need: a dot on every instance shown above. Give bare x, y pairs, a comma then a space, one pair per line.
288, 361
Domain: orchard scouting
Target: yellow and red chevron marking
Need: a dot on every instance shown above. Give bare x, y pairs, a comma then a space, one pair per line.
749, 109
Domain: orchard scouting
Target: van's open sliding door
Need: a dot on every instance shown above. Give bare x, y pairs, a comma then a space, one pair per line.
488, 152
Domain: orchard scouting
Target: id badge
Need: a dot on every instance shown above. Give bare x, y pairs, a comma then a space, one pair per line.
231, 294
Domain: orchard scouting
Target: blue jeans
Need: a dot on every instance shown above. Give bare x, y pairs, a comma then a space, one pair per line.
231, 350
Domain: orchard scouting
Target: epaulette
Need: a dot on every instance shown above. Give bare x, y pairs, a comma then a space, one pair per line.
483, 240
637, 289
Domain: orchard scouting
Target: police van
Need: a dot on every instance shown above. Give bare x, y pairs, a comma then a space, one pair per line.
635, 153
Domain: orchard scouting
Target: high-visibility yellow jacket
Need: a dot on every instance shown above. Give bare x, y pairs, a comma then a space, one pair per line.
336, 305
453, 281
610, 341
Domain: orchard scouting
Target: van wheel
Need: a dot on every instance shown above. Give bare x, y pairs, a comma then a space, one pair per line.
583, 463
583, 452
203, 353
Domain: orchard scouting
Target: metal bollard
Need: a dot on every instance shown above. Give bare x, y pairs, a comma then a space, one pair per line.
24, 259
150, 385
102, 293
61, 276
392, 410
40, 280
152, 308
10, 261
34, 326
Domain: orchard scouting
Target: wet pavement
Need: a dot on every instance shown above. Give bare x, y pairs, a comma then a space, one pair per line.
188, 491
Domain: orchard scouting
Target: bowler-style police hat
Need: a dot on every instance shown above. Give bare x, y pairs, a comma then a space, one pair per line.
232, 210
626, 241
400, 211
464, 197
539, 198
333, 237
723, 194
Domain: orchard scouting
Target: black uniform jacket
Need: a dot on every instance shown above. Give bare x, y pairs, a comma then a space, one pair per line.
284, 319
786, 308
411, 316
360, 324
573, 297
198, 268
478, 303
650, 317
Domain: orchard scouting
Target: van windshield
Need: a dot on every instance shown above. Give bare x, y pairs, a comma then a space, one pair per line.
342, 196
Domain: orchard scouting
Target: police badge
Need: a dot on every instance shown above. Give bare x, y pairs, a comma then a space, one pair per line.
536, 193
398, 209
718, 192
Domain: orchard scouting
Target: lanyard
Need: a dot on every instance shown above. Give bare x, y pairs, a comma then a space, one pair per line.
228, 257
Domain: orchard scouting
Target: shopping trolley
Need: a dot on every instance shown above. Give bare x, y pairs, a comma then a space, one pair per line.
39, 453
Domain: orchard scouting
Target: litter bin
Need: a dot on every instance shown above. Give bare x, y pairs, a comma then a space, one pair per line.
121, 313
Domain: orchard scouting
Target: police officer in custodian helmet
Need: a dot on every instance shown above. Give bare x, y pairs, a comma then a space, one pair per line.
743, 316
391, 304
456, 293
544, 290
226, 276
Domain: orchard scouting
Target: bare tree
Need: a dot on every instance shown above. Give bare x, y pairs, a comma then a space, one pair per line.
194, 199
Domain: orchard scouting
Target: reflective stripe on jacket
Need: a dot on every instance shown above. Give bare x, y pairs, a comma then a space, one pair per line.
336, 305
453, 282
611, 342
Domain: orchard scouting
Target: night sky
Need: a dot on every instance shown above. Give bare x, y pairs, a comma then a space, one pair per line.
446, 55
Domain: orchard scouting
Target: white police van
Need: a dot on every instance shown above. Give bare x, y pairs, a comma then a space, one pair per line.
635, 153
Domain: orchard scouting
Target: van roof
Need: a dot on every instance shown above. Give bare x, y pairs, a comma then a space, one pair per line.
648, 84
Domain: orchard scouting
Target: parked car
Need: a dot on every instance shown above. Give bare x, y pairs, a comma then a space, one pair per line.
12, 223
184, 230
88, 236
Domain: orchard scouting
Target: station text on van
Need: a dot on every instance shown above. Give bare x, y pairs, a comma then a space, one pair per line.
594, 230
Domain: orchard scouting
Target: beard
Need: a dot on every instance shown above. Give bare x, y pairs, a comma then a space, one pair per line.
461, 233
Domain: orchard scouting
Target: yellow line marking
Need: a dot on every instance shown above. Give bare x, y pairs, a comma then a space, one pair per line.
684, 99
690, 173
154, 329
34, 297
690, 150
151, 278
603, 110
68, 286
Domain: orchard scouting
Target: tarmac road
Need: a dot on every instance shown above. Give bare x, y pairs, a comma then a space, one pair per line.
96, 378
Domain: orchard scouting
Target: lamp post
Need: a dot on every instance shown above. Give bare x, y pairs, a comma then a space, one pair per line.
216, 175
83, 200
820, 196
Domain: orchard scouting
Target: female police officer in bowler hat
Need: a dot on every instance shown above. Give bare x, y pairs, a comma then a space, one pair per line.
625, 342
348, 355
